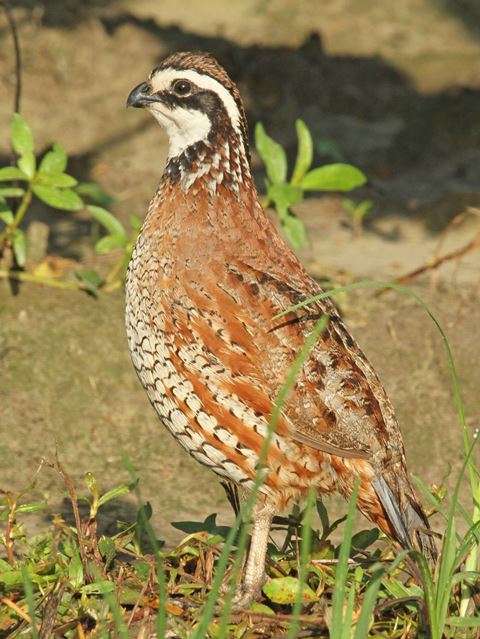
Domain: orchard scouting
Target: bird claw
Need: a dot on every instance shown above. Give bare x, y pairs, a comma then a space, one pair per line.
245, 594
244, 597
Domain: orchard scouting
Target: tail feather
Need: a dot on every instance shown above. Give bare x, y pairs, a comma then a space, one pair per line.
392, 510
408, 521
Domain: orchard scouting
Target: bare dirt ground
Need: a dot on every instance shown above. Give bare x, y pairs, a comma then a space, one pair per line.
396, 88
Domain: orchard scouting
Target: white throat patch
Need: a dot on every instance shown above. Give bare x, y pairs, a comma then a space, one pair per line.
184, 127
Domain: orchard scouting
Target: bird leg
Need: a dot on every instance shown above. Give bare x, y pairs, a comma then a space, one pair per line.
254, 575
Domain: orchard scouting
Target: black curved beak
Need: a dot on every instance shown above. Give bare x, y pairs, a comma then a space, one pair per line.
140, 96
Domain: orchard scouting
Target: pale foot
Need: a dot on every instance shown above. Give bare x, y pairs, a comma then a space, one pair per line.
245, 596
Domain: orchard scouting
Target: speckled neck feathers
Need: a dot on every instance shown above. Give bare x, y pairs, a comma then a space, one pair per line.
212, 164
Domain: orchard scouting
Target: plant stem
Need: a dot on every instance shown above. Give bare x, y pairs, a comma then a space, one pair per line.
19, 215
21, 276
8, 534
112, 277
472, 558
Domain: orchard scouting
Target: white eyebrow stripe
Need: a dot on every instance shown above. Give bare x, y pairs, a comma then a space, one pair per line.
162, 80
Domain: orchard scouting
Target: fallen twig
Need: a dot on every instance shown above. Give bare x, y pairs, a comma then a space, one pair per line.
435, 262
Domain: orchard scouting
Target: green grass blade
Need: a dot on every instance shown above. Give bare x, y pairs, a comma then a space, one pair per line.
347, 620
339, 589
428, 594
244, 515
304, 557
28, 588
459, 622
368, 604
448, 560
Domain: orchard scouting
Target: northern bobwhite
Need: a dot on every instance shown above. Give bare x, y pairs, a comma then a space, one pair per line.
207, 275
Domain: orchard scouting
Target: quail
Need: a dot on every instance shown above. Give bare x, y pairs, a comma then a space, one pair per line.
208, 276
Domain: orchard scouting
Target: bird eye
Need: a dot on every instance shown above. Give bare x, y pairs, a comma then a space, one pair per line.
182, 87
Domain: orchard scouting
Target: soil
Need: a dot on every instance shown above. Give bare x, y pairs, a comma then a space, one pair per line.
393, 89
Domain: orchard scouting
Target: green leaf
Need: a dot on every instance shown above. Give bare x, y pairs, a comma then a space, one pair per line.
363, 209
295, 230
324, 519
98, 588
304, 152
142, 569
261, 609
26, 163
365, 538
22, 139
272, 154
5, 566
55, 161
94, 192
129, 597
75, 570
118, 491
19, 243
357, 211
136, 223
284, 590
6, 216
92, 484
107, 220
65, 199
111, 243
107, 547
333, 177
284, 196
463, 622
10, 191
144, 513
91, 280
33, 507
11, 173
209, 525
55, 179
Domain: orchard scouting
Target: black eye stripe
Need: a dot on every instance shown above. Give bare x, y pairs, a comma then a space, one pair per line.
203, 100
199, 99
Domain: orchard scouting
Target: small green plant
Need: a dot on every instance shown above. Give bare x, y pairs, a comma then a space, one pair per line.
284, 193
117, 239
357, 212
49, 182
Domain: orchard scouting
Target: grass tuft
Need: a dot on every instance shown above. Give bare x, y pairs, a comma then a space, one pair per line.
72, 582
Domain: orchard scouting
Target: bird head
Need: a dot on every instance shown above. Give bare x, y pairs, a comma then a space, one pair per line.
193, 98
